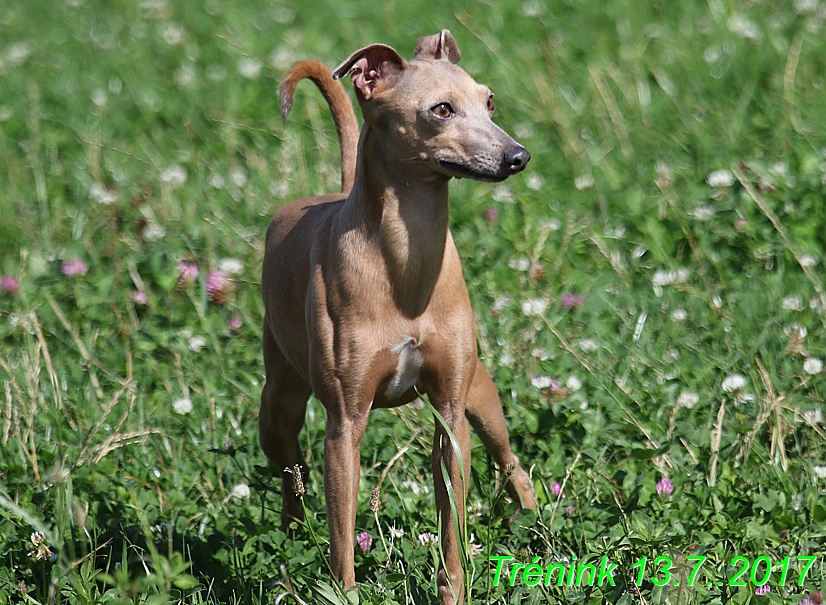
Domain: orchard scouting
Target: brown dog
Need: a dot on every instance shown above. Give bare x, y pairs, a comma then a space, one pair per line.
365, 302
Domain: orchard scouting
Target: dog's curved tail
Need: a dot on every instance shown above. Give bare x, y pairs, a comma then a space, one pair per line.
340, 106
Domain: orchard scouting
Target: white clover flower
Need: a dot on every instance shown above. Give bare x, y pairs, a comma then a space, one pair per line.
174, 175
796, 331
808, 260
742, 26
102, 195
100, 98
17, 53
500, 303
663, 278
184, 76
428, 539
534, 182
230, 266
476, 509
703, 213
573, 383
820, 471
156, 9
172, 34
588, 345
550, 224
238, 176
534, 306
502, 193
688, 400
523, 130
216, 181
182, 406
734, 383
196, 343
813, 366
792, 303
584, 181
805, 6
282, 57
241, 491
720, 179
542, 382
813, 416
396, 533
153, 232
532, 8
249, 67
415, 487
779, 169
712, 54
519, 263
683, 273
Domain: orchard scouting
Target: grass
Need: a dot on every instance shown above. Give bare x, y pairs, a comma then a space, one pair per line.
136, 136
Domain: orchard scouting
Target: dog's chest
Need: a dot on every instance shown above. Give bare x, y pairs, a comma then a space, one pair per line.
408, 368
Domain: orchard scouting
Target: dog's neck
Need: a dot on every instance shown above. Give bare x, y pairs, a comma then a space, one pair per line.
403, 209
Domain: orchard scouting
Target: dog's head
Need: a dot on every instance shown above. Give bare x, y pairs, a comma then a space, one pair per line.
431, 111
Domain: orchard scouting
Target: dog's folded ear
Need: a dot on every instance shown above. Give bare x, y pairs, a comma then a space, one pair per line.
438, 46
372, 67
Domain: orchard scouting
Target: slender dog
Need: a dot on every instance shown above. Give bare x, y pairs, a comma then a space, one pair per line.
365, 304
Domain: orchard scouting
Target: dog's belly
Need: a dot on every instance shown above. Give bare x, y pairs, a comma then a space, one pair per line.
407, 370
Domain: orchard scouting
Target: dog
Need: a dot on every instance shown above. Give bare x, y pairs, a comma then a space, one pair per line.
365, 303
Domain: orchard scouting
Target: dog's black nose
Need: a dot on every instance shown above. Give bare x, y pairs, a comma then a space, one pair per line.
516, 158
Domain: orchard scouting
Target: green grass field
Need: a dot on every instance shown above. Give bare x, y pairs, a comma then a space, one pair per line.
649, 299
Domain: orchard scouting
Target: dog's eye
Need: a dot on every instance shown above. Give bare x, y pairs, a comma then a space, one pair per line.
442, 110
491, 105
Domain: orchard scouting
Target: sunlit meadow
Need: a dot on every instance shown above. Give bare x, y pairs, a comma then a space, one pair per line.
649, 298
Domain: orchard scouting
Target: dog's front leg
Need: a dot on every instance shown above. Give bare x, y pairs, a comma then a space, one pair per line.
341, 480
457, 464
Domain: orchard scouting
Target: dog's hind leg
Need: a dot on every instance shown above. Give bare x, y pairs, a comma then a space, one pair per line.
283, 404
484, 412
